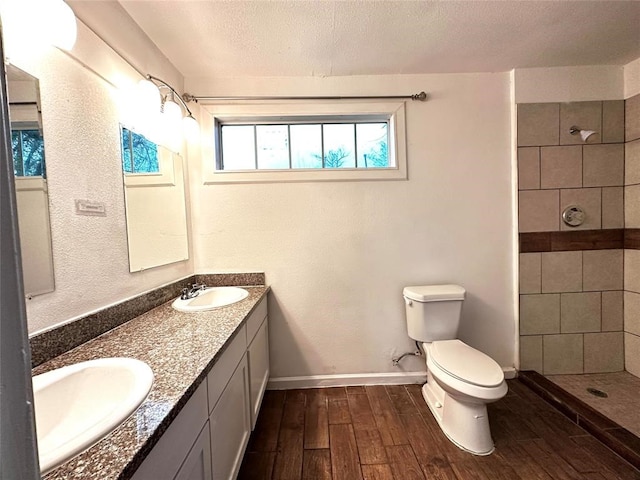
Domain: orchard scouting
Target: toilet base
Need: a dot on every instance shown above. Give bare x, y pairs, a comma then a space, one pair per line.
465, 424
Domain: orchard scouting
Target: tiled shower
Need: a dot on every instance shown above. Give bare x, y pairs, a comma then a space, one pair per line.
580, 284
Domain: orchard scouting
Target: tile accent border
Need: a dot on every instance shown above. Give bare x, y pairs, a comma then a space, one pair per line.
632, 238
608, 239
608, 432
54, 342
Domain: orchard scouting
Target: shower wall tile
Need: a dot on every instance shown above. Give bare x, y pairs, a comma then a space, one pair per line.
603, 352
528, 168
580, 312
632, 118
585, 116
632, 206
613, 207
531, 353
561, 272
538, 124
539, 314
613, 311
603, 165
538, 210
563, 354
632, 270
632, 162
603, 270
613, 121
590, 199
632, 354
572, 279
561, 167
530, 273
632, 312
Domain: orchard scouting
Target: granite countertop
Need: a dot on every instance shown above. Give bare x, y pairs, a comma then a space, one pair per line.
181, 349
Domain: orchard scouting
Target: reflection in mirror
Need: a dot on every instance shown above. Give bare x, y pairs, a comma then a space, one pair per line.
155, 203
29, 167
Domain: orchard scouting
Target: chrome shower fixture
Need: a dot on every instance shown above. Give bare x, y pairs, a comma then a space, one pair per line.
584, 134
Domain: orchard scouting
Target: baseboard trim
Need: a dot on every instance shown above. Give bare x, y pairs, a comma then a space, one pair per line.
354, 379
346, 380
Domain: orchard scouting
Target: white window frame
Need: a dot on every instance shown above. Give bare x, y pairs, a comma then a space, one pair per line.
251, 113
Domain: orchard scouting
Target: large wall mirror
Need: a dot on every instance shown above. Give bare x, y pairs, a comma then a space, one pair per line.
29, 167
155, 202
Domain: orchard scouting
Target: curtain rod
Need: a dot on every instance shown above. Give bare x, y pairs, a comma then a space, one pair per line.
422, 97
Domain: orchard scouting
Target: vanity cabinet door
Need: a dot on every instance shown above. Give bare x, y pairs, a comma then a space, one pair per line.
197, 465
168, 455
258, 353
230, 425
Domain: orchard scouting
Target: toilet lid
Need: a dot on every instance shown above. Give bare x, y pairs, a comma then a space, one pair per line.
466, 364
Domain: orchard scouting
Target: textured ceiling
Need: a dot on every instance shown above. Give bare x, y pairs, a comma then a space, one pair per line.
325, 38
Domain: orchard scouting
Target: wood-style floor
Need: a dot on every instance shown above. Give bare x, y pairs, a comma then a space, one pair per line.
388, 432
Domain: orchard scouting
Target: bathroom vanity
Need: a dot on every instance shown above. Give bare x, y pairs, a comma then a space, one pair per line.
211, 369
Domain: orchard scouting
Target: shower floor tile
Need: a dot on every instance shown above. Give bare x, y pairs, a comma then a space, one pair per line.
622, 404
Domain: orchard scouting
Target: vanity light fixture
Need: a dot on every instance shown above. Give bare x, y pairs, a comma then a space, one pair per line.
31, 25
156, 95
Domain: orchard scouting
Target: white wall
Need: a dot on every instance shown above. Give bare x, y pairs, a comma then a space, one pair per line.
337, 255
81, 127
569, 84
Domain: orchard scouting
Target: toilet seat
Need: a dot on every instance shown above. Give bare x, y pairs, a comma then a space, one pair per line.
466, 364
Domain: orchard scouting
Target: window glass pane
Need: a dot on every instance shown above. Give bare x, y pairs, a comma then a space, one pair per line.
238, 147
339, 146
273, 146
373, 145
145, 155
127, 166
32, 153
17, 154
306, 146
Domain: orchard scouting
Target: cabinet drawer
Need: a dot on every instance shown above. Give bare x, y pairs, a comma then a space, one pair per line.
225, 366
256, 319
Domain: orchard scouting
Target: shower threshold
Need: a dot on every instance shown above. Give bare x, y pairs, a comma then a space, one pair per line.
579, 408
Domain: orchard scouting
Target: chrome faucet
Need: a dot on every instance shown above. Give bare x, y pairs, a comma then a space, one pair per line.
192, 291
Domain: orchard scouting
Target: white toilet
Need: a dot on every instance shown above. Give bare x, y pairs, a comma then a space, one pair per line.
460, 380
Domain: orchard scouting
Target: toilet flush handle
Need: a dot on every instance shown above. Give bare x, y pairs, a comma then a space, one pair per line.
408, 301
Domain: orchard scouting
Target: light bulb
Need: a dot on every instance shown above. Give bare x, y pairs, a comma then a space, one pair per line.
63, 27
191, 129
148, 97
172, 112
170, 125
24, 26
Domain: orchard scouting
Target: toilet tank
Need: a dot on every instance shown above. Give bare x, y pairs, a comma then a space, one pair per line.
433, 311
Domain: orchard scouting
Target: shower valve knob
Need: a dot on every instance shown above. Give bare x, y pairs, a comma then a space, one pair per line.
573, 216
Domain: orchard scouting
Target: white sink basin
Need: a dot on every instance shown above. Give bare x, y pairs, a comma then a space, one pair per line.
211, 298
78, 405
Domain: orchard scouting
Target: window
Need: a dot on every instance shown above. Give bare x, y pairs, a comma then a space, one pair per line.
303, 145
139, 155
305, 142
28, 152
